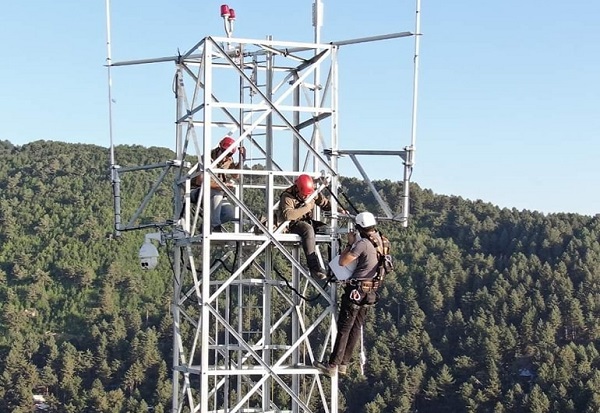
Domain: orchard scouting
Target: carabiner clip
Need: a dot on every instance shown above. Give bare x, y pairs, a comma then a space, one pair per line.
355, 295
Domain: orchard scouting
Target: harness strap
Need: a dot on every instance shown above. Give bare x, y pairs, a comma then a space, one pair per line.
366, 286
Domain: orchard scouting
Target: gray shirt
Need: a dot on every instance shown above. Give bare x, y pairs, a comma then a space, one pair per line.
366, 263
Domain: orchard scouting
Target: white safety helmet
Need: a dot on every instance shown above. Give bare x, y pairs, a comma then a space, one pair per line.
365, 220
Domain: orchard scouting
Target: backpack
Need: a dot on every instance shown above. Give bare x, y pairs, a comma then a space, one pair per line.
385, 263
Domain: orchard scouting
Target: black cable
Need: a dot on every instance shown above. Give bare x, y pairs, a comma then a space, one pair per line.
283, 278
350, 203
345, 197
296, 291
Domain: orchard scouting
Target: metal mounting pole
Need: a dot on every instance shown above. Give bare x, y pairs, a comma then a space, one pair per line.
410, 150
114, 168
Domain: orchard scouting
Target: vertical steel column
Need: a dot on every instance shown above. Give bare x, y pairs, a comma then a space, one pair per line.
266, 327
317, 23
296, 329
296, 254
334, 224
206, 231
296, 120
177, 255
269, 94
176, 328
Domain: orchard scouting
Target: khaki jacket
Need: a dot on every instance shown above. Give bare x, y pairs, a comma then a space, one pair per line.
292, 208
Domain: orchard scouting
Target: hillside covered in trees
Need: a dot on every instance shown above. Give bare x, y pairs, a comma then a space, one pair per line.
489, 310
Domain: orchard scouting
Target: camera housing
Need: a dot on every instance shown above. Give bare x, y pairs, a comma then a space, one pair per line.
148, 254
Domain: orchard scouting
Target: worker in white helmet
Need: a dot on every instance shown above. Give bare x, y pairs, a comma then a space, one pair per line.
359, 292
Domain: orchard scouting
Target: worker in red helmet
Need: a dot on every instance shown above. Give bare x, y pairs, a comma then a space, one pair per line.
293, 207
225, 143
221, 212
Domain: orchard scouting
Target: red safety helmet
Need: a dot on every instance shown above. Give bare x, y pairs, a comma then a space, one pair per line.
226, 142
305, 185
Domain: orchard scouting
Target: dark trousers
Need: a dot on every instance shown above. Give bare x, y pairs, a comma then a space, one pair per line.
307, 235
350, 321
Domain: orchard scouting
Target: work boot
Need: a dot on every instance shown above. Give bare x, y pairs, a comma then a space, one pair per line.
318, 274
326, 368
315, 267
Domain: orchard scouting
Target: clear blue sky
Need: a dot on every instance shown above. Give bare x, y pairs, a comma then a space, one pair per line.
509, 103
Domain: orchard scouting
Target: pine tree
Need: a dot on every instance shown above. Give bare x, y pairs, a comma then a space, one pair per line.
537, 401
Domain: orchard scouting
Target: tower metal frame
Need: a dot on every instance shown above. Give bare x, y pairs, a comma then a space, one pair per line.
229, 355
248, 320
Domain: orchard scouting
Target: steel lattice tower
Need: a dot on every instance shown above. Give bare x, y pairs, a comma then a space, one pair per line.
248, 320
235, 354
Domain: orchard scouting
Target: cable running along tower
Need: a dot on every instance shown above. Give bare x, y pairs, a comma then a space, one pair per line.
248, 320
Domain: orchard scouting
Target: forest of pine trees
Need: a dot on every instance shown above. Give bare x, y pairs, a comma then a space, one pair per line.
489, 310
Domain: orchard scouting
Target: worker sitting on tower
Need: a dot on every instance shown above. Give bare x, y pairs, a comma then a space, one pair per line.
220, 212
293, 207
359, 292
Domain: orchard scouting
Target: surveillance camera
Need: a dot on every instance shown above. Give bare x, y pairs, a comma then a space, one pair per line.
148, 256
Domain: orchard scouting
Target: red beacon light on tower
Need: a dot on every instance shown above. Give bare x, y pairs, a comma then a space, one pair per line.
228, 16
224, 11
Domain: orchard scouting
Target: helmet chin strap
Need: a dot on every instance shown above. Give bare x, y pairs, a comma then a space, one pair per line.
364, 232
